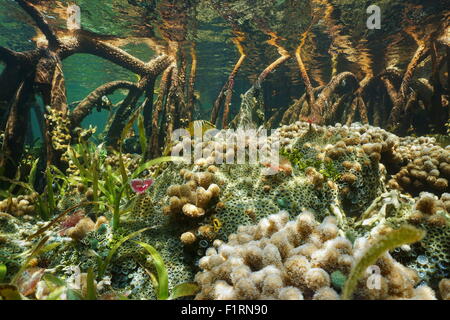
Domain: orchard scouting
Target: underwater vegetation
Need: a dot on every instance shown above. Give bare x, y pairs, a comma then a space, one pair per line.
358, 206
297, 158
192, 215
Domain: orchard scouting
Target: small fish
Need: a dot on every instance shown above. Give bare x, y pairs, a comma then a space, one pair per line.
217, 224
310, 120
140, 185
286, 166
283, 166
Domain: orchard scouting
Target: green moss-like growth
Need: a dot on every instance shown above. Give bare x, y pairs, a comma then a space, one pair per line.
299, 161
338, 280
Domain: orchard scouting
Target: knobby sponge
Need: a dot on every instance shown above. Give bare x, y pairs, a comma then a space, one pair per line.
282, 259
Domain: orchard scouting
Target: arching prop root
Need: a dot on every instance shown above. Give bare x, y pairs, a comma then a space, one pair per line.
398, 110
322, 107
226, 93
14, 140
252, 113
174, 106
191, 85
44, 63
390, 99
304, 75
84, 108
154, 147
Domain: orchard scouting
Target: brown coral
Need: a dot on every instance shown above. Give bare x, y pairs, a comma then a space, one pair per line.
282, 259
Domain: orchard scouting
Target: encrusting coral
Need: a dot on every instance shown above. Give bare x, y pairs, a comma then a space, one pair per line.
339, 170
444, 289
193, 197
282, 259
19, 206
315, 184
431, 210
130, 161
58, 129
425, 166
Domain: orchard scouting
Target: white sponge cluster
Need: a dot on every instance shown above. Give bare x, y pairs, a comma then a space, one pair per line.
276, 259
282, 259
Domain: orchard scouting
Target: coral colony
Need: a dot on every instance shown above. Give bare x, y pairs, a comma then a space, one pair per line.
224, 150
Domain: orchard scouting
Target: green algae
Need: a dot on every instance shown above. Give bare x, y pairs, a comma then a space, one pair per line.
406, 234
302, 162
3, 271
338, 280
103, 265
163, 278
